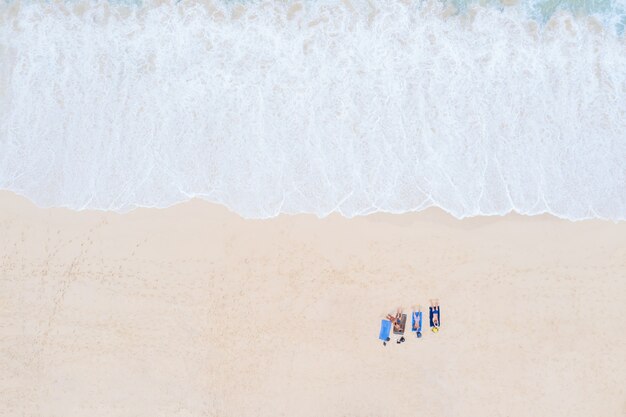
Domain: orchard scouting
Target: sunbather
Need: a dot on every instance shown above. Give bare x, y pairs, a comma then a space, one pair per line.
434, 315
398, 322
417, 321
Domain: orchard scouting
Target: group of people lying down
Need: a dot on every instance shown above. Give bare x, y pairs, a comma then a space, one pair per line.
398, 322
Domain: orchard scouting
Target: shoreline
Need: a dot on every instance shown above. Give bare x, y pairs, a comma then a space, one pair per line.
428, 211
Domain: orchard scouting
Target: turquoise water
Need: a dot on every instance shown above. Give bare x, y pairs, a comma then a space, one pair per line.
545, 8
610, 13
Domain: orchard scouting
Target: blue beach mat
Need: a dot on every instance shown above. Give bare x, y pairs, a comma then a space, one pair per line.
416, 316
385, 328
431, 314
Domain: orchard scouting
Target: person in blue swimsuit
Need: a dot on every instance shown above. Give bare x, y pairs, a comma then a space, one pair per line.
435, 315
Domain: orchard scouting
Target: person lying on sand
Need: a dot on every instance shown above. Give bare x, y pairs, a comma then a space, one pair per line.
396, 320
397, 323
435, 318
417, 321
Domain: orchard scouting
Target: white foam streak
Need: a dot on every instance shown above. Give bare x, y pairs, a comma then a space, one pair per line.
323, 112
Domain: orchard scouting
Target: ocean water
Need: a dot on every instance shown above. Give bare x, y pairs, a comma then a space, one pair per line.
479, 108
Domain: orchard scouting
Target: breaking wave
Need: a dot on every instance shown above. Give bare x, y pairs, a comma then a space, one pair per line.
316, 107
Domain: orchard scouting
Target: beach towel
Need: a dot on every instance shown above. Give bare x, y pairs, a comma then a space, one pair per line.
432, 311
385, 328
417, 318
402, 325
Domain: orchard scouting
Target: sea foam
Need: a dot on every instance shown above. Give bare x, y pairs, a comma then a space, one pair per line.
316, 107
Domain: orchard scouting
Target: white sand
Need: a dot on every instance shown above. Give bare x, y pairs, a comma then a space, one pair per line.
192, 311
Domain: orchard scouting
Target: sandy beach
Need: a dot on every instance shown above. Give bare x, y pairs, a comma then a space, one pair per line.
194, 311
